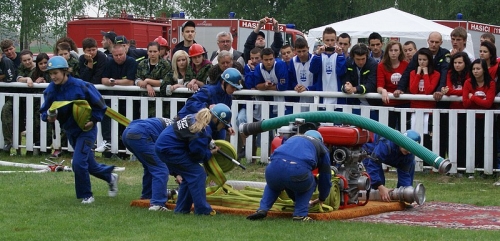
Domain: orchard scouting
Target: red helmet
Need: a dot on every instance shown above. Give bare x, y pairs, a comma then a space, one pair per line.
196, 50
162, 41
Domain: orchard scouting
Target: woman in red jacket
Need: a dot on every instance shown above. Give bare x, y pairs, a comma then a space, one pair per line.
488, 52
389, 72
479, 93
423, 80
457, 75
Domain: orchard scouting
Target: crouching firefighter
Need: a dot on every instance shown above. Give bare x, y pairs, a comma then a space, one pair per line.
382, 150
291, 170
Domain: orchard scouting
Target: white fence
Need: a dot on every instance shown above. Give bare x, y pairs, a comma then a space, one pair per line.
145, 103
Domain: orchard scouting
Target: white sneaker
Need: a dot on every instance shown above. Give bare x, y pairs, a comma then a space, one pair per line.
104, 146
497, 183
113, 185
158, 208
88, 200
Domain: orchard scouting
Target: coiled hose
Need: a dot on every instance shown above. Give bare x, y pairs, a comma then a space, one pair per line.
443, 165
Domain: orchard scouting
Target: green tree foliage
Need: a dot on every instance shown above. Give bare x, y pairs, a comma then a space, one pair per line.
34, 19
309, 14
137, 8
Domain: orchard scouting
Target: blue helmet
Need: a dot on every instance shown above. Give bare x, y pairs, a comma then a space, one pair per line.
314, 134
233, 77
413, 135
57, 62
223, 113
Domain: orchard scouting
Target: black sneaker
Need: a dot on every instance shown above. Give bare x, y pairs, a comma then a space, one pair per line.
260, 214
6, 147
302, 219
241, 153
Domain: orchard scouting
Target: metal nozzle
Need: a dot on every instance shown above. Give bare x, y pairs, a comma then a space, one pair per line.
444, 166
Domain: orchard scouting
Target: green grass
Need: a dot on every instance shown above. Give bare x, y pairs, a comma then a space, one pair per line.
43, 207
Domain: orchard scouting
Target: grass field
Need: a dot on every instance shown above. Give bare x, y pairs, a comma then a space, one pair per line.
43, 207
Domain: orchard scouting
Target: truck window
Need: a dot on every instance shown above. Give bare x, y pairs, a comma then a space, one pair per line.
289, 39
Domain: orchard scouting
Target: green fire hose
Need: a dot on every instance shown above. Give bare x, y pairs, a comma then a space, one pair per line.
443, 165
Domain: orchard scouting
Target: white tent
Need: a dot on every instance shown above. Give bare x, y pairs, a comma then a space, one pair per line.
390, 22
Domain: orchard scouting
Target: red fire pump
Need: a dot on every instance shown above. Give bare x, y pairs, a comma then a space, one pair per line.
344, 144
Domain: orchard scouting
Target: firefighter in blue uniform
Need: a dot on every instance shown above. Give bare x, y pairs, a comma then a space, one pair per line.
64, 87
291, 170
220, 92
184, 145
139, 138
382, 150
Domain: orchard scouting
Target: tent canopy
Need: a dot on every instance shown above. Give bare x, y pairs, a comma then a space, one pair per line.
390, 22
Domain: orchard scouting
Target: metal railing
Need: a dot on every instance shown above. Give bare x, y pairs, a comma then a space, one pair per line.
146, 103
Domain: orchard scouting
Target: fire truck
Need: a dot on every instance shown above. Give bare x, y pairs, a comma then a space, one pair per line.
144, 30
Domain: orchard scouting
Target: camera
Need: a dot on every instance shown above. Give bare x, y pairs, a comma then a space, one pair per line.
330, 49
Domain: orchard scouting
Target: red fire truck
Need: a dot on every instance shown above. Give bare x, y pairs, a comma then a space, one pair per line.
144, 30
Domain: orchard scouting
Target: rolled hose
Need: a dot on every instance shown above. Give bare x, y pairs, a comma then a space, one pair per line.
443, 165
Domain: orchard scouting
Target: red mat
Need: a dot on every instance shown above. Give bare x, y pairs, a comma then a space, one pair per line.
443, 215
370, 209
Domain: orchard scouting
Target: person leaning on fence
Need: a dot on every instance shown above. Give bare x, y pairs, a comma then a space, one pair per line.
290, 170
152, 71
383, 151
423, 80
81, 133
121, 70
199, 65
440, 59
225, 61
249, 68
39, 75
8, 74
479, 93
185, 145
92, 62
330, 64
139, 138
361, 78
301, 79
272, 74
389, 73
455, 80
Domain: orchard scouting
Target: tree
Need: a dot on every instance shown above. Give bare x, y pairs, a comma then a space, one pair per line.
137, 8
34, 19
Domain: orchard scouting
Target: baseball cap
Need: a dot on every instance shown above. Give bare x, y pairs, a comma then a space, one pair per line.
262, 34
110, 35
188, 24
121, 40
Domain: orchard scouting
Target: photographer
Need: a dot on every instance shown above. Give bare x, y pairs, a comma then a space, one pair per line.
257, 38
329, 63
